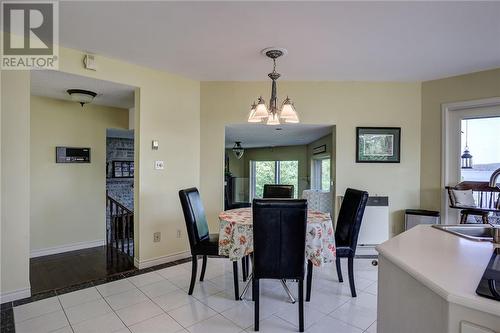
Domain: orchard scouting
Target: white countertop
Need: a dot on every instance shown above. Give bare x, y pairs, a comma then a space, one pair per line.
449, 265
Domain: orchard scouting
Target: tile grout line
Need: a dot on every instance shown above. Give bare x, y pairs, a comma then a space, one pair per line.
64, 311
112, 310
165, 312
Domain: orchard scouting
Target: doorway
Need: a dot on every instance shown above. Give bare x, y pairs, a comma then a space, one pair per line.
291, 154
68, 173
120, 172
474, 124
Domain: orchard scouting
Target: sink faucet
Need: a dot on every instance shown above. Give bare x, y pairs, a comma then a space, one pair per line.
493, 178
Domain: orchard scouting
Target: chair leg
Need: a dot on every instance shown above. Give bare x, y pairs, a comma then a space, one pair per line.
247, 263
309, 280
350, 268
463, 218
301, 305
235, 278
485, 219
203, 268
244, 268
194, 269
339, 270
255, 295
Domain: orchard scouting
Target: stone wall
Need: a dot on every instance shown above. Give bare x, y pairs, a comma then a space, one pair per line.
121, 189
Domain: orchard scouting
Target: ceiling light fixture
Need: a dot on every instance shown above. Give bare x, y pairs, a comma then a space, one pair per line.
81, 96
260, 113
238, 149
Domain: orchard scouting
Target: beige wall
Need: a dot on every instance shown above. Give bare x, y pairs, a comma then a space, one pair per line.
166, 108
345, 104
68, 202
434, 93
15, 191
236, 165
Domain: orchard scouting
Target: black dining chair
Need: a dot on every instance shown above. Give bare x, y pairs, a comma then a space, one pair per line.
201, 242
277, 191
279, 242
346, 236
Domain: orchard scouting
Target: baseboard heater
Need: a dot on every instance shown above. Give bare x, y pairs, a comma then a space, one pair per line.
374, 227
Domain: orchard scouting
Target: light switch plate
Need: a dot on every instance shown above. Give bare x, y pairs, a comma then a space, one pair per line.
159, 165
155, 144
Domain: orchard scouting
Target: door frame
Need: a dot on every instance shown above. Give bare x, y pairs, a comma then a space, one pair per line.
446, 109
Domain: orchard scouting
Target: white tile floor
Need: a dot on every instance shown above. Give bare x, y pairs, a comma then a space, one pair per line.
158, 302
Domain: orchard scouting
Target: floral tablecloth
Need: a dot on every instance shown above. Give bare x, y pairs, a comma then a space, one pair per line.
236, 235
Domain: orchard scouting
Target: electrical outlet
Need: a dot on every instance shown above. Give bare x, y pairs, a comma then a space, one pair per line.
159, 165
178, 233
156, 237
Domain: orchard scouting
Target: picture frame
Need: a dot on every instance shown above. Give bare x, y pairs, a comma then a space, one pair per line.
378, 144
123, 169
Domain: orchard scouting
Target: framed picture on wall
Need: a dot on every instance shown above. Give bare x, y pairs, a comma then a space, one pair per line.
378, 144
123, 169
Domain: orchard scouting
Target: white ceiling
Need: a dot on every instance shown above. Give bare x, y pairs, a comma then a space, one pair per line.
261, 135
375, 41
54, 84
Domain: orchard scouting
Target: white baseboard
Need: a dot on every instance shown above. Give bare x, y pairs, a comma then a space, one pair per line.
161, 260
10, 296
67, 248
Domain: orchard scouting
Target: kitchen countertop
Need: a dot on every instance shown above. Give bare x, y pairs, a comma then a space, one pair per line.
449, 265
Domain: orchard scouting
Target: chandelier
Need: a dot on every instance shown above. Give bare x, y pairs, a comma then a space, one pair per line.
238, 150
274, 115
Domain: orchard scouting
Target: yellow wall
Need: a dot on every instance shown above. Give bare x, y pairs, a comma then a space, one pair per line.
68, 200
166, 109
434, 93
15, 182
345, 104
236, 165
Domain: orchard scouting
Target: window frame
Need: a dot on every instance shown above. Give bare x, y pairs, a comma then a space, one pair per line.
277, 174
317, 173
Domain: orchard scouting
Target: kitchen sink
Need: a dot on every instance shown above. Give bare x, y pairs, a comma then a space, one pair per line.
479, 233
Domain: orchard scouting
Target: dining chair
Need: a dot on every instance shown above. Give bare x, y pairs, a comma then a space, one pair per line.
346, 236
279, 241
201, 242
278, 191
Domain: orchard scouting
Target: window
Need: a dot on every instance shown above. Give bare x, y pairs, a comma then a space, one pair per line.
321, 174
273, 172
482, 136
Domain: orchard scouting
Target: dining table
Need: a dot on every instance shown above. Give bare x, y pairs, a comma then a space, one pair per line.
236, 235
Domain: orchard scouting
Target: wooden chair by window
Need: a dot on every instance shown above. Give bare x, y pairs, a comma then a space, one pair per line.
474, 198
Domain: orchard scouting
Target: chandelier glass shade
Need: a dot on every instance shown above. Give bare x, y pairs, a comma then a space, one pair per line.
273, 115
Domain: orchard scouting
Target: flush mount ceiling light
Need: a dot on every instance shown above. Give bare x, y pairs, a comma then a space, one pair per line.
81, 96
259, 112
238, 150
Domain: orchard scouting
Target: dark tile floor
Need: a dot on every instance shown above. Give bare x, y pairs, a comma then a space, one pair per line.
76, 267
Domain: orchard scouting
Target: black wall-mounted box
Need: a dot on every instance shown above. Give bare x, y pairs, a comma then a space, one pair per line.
72, 155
